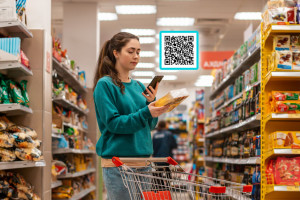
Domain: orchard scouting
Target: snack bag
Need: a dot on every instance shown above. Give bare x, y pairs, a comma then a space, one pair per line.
295, 43
23, 84
287, 171
30, 132
283, 60
282, 42
173, 98
7, 155
31, 154
296, 60
285, 95
22, 140
16, 93
6, 140
290, 107
4, 93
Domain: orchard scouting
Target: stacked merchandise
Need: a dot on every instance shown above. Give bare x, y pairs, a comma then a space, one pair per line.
18, 142
13, 10
14, 186
232, 136
280, 102
196, 132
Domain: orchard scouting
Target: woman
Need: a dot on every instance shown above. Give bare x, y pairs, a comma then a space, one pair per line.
124, 113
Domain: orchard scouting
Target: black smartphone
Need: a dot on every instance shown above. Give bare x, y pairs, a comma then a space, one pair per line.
153, 83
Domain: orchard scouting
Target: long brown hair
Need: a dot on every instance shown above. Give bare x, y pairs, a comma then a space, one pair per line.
107, 60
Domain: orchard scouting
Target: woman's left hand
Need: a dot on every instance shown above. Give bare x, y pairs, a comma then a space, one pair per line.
151, 93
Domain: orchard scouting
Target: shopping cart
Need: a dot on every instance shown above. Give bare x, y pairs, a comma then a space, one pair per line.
171, 182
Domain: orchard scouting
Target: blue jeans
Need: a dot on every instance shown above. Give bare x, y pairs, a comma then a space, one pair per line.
115, 187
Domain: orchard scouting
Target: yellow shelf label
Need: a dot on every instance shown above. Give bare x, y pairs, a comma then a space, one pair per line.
292, 188
296, 151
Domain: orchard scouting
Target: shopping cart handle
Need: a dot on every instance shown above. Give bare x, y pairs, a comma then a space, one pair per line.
247, 188
117, 161
171, 161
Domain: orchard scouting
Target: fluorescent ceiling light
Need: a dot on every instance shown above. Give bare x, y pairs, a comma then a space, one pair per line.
107, 16
143, 73
147, 54
157, 47
147, 40
145, 65
204, 81
139, 32
144, 80
157, 59
175, 21
135, 9
248, 16
159, 70
169, 77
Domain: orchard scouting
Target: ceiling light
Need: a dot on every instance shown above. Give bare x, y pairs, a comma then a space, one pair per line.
157, 36
157, 59
157, 47
248, 16
159, 70
175, 21
139, 32
145, 65
143, 73
147, 40
144, 80
204, 81
169, 77
107, 16
135, 9
147, 54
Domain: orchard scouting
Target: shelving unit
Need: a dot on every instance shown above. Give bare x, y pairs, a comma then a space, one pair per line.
244, 161
271, 122
21, 164
76, 151
56, 184
81, 194
77, 174
67, 104
14, 109
16, 28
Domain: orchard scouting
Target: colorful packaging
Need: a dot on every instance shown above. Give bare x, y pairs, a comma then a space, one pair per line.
282, 42
296, 60
290, 107
295, 43
23, 84
4, 94
285, 95
173, 98
287, 171
286, 139
283, 60
16, 93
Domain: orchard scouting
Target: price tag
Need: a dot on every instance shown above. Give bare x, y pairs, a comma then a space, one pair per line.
40, 164
292, 188
296, 151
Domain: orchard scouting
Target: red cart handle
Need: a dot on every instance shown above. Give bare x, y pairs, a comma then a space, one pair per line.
117, 161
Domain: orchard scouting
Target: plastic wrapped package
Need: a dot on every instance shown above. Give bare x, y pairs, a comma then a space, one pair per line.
16, 93
289, 107
7, 155
32, 133
287, 171
15, 129
283, 60
282, 42
295, 43
6, 140
286, 139
285, 95
296, 60
24, 93
22, 140
173, 98
31, 154
62, 192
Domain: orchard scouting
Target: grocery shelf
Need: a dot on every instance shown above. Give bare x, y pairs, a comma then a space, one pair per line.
75, 127
77, 151
56, 184
252, 122
21, 164
77, 174
81, 194
55, 135
236, 161
281, 29
251, 59
67, 104
68, 76
283, 117
282, 76
14, 109
16, 29
282, 152
286, 188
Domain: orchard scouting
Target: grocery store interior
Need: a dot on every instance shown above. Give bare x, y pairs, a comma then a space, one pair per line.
235, 121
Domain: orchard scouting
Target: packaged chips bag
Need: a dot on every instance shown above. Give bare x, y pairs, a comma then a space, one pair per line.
22, 140
23, 84
285, 95
289, 107
4, 93
31, 154
7, 155
6, 140
172, 99
16, 93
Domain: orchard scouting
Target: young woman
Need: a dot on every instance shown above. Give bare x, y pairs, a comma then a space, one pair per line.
124, 113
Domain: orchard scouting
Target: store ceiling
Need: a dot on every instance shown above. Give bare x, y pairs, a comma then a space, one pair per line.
213, 19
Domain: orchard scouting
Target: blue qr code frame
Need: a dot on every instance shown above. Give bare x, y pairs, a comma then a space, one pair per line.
196, 54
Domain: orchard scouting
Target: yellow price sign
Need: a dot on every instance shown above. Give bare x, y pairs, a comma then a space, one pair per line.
292, 188
296, 151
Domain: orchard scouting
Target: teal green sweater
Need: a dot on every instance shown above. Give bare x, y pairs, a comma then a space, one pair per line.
124, 120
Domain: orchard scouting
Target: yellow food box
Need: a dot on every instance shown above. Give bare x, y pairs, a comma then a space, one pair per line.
173, 98
286, 139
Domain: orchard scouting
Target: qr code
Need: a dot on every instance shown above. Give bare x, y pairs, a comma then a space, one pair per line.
179, 50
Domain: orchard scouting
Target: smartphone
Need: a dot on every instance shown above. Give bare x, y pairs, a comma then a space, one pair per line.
153, 83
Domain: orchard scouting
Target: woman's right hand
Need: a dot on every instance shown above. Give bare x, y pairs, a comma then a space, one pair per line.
157, 111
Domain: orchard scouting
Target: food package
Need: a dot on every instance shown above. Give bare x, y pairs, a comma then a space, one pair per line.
4, 93
283, 60
65, 190
289, 107
6, 140
173, 98
295, 43
296, 60
282, 42
287, 171
16, 93
24, 93
286, 139
282, 15
7, 155
22, 140
30, 132
285, 95
31, 154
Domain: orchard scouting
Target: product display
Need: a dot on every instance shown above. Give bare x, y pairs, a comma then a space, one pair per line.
173, 98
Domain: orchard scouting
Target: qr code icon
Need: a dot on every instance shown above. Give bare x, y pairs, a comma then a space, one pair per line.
179, 50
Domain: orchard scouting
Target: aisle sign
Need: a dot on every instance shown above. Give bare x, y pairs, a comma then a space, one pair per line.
214, 59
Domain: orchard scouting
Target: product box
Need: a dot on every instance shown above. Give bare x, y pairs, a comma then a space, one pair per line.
285, 95
288, 107
296, 60
282, 42
283, 60
173, 98
8, 10
295, 43
286, 139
